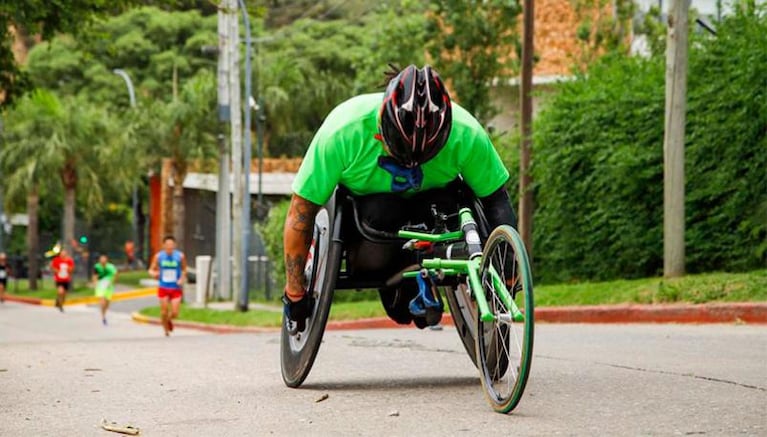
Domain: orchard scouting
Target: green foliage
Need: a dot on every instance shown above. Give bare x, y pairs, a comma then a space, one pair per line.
148, 43
471, 42
726, 157
30, 17
604, 27
271, 231
397, 35
306, 68
599, 163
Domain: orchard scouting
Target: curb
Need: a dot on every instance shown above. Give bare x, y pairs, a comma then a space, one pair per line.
662, 313
85, 300
740, 313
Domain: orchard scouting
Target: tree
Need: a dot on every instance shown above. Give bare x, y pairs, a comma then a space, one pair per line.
304, 73
71, 142
182, 130
150, 44
307, 67
471, 43
19, 18
29, 129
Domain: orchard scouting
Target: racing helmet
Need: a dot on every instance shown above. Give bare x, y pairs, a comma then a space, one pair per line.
416, 116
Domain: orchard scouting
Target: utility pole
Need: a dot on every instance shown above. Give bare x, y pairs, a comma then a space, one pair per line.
526, 122
236, 135
673, 140
223, 200
244, 285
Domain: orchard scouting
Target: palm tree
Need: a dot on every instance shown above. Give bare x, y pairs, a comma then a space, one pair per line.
70, 139
182, 130
77, 150
29, 128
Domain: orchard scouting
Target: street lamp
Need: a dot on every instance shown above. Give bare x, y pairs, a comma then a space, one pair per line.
134, 196
128, 83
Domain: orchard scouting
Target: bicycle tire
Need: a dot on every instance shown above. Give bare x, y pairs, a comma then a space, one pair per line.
502, 363
298, 351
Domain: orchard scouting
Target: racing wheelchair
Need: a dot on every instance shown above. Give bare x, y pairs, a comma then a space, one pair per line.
484, 274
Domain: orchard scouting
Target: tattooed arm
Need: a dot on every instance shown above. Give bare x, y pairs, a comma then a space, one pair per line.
297, 237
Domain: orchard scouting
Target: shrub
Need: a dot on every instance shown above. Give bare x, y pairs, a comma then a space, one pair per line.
598, 162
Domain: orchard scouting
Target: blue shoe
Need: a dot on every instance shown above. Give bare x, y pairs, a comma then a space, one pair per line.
427, 303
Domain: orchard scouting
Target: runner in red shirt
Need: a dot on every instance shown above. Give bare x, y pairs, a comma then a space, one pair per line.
63, 268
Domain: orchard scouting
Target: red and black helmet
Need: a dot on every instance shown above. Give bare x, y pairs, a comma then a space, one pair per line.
415, 117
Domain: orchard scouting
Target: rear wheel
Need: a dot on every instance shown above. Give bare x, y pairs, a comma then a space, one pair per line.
299, 349
505, 350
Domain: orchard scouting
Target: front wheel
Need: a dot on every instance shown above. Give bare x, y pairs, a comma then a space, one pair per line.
299, 349
505, 348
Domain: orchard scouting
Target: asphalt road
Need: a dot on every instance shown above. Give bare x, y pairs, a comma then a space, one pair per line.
60, 374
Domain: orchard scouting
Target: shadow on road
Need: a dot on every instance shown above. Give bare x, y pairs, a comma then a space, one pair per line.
388, 384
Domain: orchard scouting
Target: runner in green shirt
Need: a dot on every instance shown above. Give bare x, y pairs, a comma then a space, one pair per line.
396, 152
104, 276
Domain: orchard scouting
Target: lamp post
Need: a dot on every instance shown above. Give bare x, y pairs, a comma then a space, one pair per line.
134, 195
246, 164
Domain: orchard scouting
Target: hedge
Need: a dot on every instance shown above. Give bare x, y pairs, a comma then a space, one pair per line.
598, 162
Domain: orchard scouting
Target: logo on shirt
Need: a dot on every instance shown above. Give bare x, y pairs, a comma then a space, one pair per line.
403, 178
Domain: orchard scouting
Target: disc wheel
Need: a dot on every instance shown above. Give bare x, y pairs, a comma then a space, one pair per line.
299, 349
464, 313
505, 350
463, 307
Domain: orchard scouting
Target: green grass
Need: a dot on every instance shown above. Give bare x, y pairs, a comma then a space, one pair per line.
703, 288
132, 277
46, 289
222, 317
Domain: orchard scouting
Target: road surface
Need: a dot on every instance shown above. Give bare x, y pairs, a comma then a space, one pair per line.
60, 374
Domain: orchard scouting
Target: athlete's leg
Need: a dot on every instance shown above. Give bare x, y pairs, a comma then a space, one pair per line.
2, 292
104, 307
164, 313
61, 290
175, 304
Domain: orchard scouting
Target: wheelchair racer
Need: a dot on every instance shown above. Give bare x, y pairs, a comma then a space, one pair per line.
409, 142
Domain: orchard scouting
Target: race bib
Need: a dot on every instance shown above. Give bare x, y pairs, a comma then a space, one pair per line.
64, 271
3, 274
168, 276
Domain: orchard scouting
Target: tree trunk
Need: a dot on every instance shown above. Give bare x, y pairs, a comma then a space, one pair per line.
141, 231
179, 173
33, 237
166, 198
69, 181
69, 218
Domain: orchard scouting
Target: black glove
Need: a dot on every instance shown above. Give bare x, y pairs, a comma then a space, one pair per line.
298, 312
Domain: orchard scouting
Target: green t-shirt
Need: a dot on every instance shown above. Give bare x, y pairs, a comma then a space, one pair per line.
107, 271
345, 151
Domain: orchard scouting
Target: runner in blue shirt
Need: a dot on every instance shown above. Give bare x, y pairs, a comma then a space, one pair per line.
169, 268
